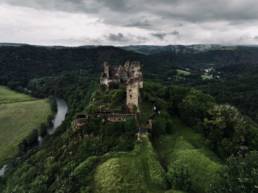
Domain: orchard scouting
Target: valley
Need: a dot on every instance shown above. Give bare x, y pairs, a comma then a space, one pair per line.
128, 96
148, 128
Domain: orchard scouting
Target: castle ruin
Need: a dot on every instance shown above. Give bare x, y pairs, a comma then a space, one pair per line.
129, 74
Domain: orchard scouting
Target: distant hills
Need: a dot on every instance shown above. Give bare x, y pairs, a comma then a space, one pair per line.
23, 61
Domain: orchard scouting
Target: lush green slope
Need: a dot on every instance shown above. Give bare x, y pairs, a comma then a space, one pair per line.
136, 172
105, 157
19, 115
184, 154
141, 170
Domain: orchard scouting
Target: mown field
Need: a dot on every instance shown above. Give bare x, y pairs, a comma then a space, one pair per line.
19, 115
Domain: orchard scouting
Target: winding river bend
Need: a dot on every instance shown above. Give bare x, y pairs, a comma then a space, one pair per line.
62, 110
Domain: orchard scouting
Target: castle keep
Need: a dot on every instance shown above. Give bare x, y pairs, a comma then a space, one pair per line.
129, 74
117, 79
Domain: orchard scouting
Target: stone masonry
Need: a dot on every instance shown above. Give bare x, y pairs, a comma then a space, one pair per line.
129, 74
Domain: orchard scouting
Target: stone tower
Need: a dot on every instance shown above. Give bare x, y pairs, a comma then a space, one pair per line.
105, 76
133, 86
132, 96
129, 74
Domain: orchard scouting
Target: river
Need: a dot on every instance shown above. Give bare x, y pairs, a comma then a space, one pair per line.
2, 170
62, 110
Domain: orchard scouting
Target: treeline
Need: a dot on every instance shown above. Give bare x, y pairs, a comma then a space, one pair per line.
232, 136
20, 64
68, 162
227, 131
237, 65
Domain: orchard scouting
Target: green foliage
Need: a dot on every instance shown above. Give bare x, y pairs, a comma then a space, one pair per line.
183, 72
66, 162
240, 176
180, 178
227, 124
32, 138
159, 126
43, 130
191, 166
194, 107
223, 125
137, 171
85, 167
107, 100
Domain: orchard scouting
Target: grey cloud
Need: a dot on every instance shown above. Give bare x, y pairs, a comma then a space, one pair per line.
197, 21
89, 6
117, 5
144, 23
256, 37
182, 10
175, 33
162, 35
119, 37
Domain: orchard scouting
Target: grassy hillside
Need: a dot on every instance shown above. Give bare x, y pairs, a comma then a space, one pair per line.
137, 172
104, 157
183, 152
19, 114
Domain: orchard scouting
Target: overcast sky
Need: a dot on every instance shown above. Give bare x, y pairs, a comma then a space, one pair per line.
124, 22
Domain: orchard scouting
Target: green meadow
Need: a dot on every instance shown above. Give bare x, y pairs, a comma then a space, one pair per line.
185, 150
19, 115
138, 171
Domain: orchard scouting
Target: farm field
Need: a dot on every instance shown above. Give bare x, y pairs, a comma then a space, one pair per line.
19, 115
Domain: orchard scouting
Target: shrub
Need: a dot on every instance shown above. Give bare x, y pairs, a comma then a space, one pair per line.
226, 129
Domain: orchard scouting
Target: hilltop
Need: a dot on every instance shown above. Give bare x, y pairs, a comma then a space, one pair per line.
196, 143
178, 152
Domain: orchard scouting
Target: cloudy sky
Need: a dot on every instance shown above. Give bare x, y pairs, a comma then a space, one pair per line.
124, 22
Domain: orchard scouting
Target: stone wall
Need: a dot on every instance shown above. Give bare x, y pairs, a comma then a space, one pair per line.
129, 74
132, 96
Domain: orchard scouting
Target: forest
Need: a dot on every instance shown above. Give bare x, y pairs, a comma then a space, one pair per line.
205, 140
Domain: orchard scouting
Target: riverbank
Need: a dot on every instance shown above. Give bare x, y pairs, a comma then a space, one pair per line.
19, 115
61, 111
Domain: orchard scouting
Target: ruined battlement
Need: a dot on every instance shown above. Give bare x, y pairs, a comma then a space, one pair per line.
81, 120
130, 75
120, 74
